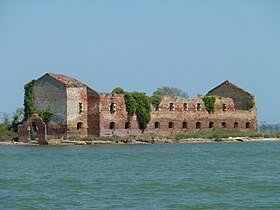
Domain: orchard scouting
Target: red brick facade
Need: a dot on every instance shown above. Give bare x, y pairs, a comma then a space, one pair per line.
81, 111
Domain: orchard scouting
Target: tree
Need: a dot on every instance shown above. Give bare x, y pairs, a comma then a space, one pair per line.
17, 119
118, 90
170, 91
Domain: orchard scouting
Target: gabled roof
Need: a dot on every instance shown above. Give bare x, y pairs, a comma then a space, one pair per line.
232, 84
68, 81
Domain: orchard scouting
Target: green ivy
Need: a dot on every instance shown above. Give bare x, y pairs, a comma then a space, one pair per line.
209, 102
46, 115
250, 104
29, 109
139, 104
130, 104
156, 100
143, 111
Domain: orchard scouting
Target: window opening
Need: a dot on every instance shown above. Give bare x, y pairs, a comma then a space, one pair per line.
112, 125
113, 108
198, 107
198, 125
157, 124
184, 125
170, 125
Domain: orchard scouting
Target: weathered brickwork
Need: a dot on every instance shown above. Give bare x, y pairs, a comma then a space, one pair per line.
81, 111
240, 97
33, 129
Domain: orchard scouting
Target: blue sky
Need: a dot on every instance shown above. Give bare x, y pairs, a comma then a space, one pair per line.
193, 45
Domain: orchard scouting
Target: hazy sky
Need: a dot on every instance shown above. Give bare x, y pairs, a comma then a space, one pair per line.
141, 45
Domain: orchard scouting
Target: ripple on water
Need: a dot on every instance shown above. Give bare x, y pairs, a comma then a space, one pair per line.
191, 176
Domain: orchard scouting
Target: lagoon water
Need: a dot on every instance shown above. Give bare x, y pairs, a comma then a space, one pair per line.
185, 176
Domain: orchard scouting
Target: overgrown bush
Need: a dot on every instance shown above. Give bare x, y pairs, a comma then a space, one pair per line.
209, 102
142, 109
118, 90
130, 104
156, 100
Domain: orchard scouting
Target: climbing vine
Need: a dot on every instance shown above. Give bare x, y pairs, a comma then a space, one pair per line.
143, 111
209, 102
250, 104
29, 109
139, 104
155, 101
130, 104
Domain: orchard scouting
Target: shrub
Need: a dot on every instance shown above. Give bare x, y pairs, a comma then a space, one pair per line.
209, 102
118, 90
156, 100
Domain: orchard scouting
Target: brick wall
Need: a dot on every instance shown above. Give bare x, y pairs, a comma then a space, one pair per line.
229, 90
49, 93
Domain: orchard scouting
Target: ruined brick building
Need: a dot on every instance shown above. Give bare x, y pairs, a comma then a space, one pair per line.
81, 111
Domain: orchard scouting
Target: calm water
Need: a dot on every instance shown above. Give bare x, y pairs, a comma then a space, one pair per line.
198, 176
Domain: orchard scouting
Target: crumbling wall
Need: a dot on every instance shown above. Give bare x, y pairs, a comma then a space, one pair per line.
176, 115
49, 93
93, 113
77, 111
24, 131
241, 98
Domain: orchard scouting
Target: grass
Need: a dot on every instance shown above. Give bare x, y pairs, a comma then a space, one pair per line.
213, 134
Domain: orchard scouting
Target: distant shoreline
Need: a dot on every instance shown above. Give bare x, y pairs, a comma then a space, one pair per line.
59, 142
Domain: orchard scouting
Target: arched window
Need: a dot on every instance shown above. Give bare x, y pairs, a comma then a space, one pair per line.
185, 107
198, 125
112, 125
211, 125
184, 125
113, 108
157, 124
236, 125
198, 107
170, 125
79, 125
248, 125
127, 125
224, 107
224, 124
171, 107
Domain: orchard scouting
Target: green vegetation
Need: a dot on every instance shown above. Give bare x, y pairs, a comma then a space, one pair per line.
170, 91
142, 109
155, 101
209, 102
46, 115
137, 103
29, 109
118, 90
219, 134
130, 104
250, 104
6, 129
213, 134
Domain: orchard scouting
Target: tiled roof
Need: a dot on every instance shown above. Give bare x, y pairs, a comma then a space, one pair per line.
68, 81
